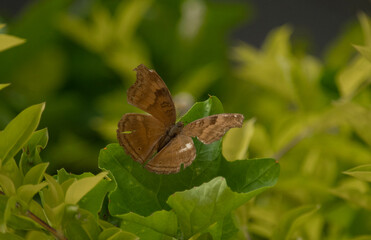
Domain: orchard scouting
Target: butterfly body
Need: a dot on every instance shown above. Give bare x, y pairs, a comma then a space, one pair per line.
172, 132
156, 140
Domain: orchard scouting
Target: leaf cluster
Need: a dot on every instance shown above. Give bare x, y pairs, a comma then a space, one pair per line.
125, 201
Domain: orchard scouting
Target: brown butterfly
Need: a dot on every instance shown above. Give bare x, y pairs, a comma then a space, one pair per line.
156, 140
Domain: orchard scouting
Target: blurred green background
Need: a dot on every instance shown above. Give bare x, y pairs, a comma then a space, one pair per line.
301, 70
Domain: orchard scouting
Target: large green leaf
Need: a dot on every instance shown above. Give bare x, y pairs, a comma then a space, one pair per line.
143, 192
160, 225
18, 131
199, 208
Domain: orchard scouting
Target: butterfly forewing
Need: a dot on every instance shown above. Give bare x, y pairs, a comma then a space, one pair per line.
139, 135
179, 151
212, 128
150, 94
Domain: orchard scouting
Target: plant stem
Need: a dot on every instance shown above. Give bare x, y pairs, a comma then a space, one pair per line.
52, 230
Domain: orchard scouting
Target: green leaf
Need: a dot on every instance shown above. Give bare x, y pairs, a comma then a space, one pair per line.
31, 151
359, 118
35, 174
8, 41
362, 172
3, 213
354, 191
199, 208
224, 229
116, 234
8, 204
18, 131
26, 192
53, 195
237, 140
38, 235
365, 237
81, 187
364, 51
21, 222
247, 175
10, 236
7, 185
80, 225
291, 220
159, 225
93, 200
11, 170
203, 109
353, 77
4, 85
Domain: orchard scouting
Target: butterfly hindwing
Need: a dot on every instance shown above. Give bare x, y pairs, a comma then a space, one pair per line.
150, 93
139, 135
212, 128
179, 151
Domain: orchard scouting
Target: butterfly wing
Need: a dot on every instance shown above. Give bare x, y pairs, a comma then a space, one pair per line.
150, 94
139, 135
212, 128
179, 151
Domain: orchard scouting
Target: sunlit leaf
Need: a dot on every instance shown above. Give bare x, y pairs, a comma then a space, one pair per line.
8, 41
7, 185
35, 174
354, 191
364, 51
81, 187
18, 131
361, 172
353, 77
291, 221
26, 192
93, 200
237, 140
4, 85
53, 195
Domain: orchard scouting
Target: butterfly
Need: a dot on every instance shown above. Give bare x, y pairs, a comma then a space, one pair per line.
156, 140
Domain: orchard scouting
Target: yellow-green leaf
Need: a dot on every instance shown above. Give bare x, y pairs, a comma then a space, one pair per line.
19, 130
7, 41
7, 185
81, 187
237, 140
4, 85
